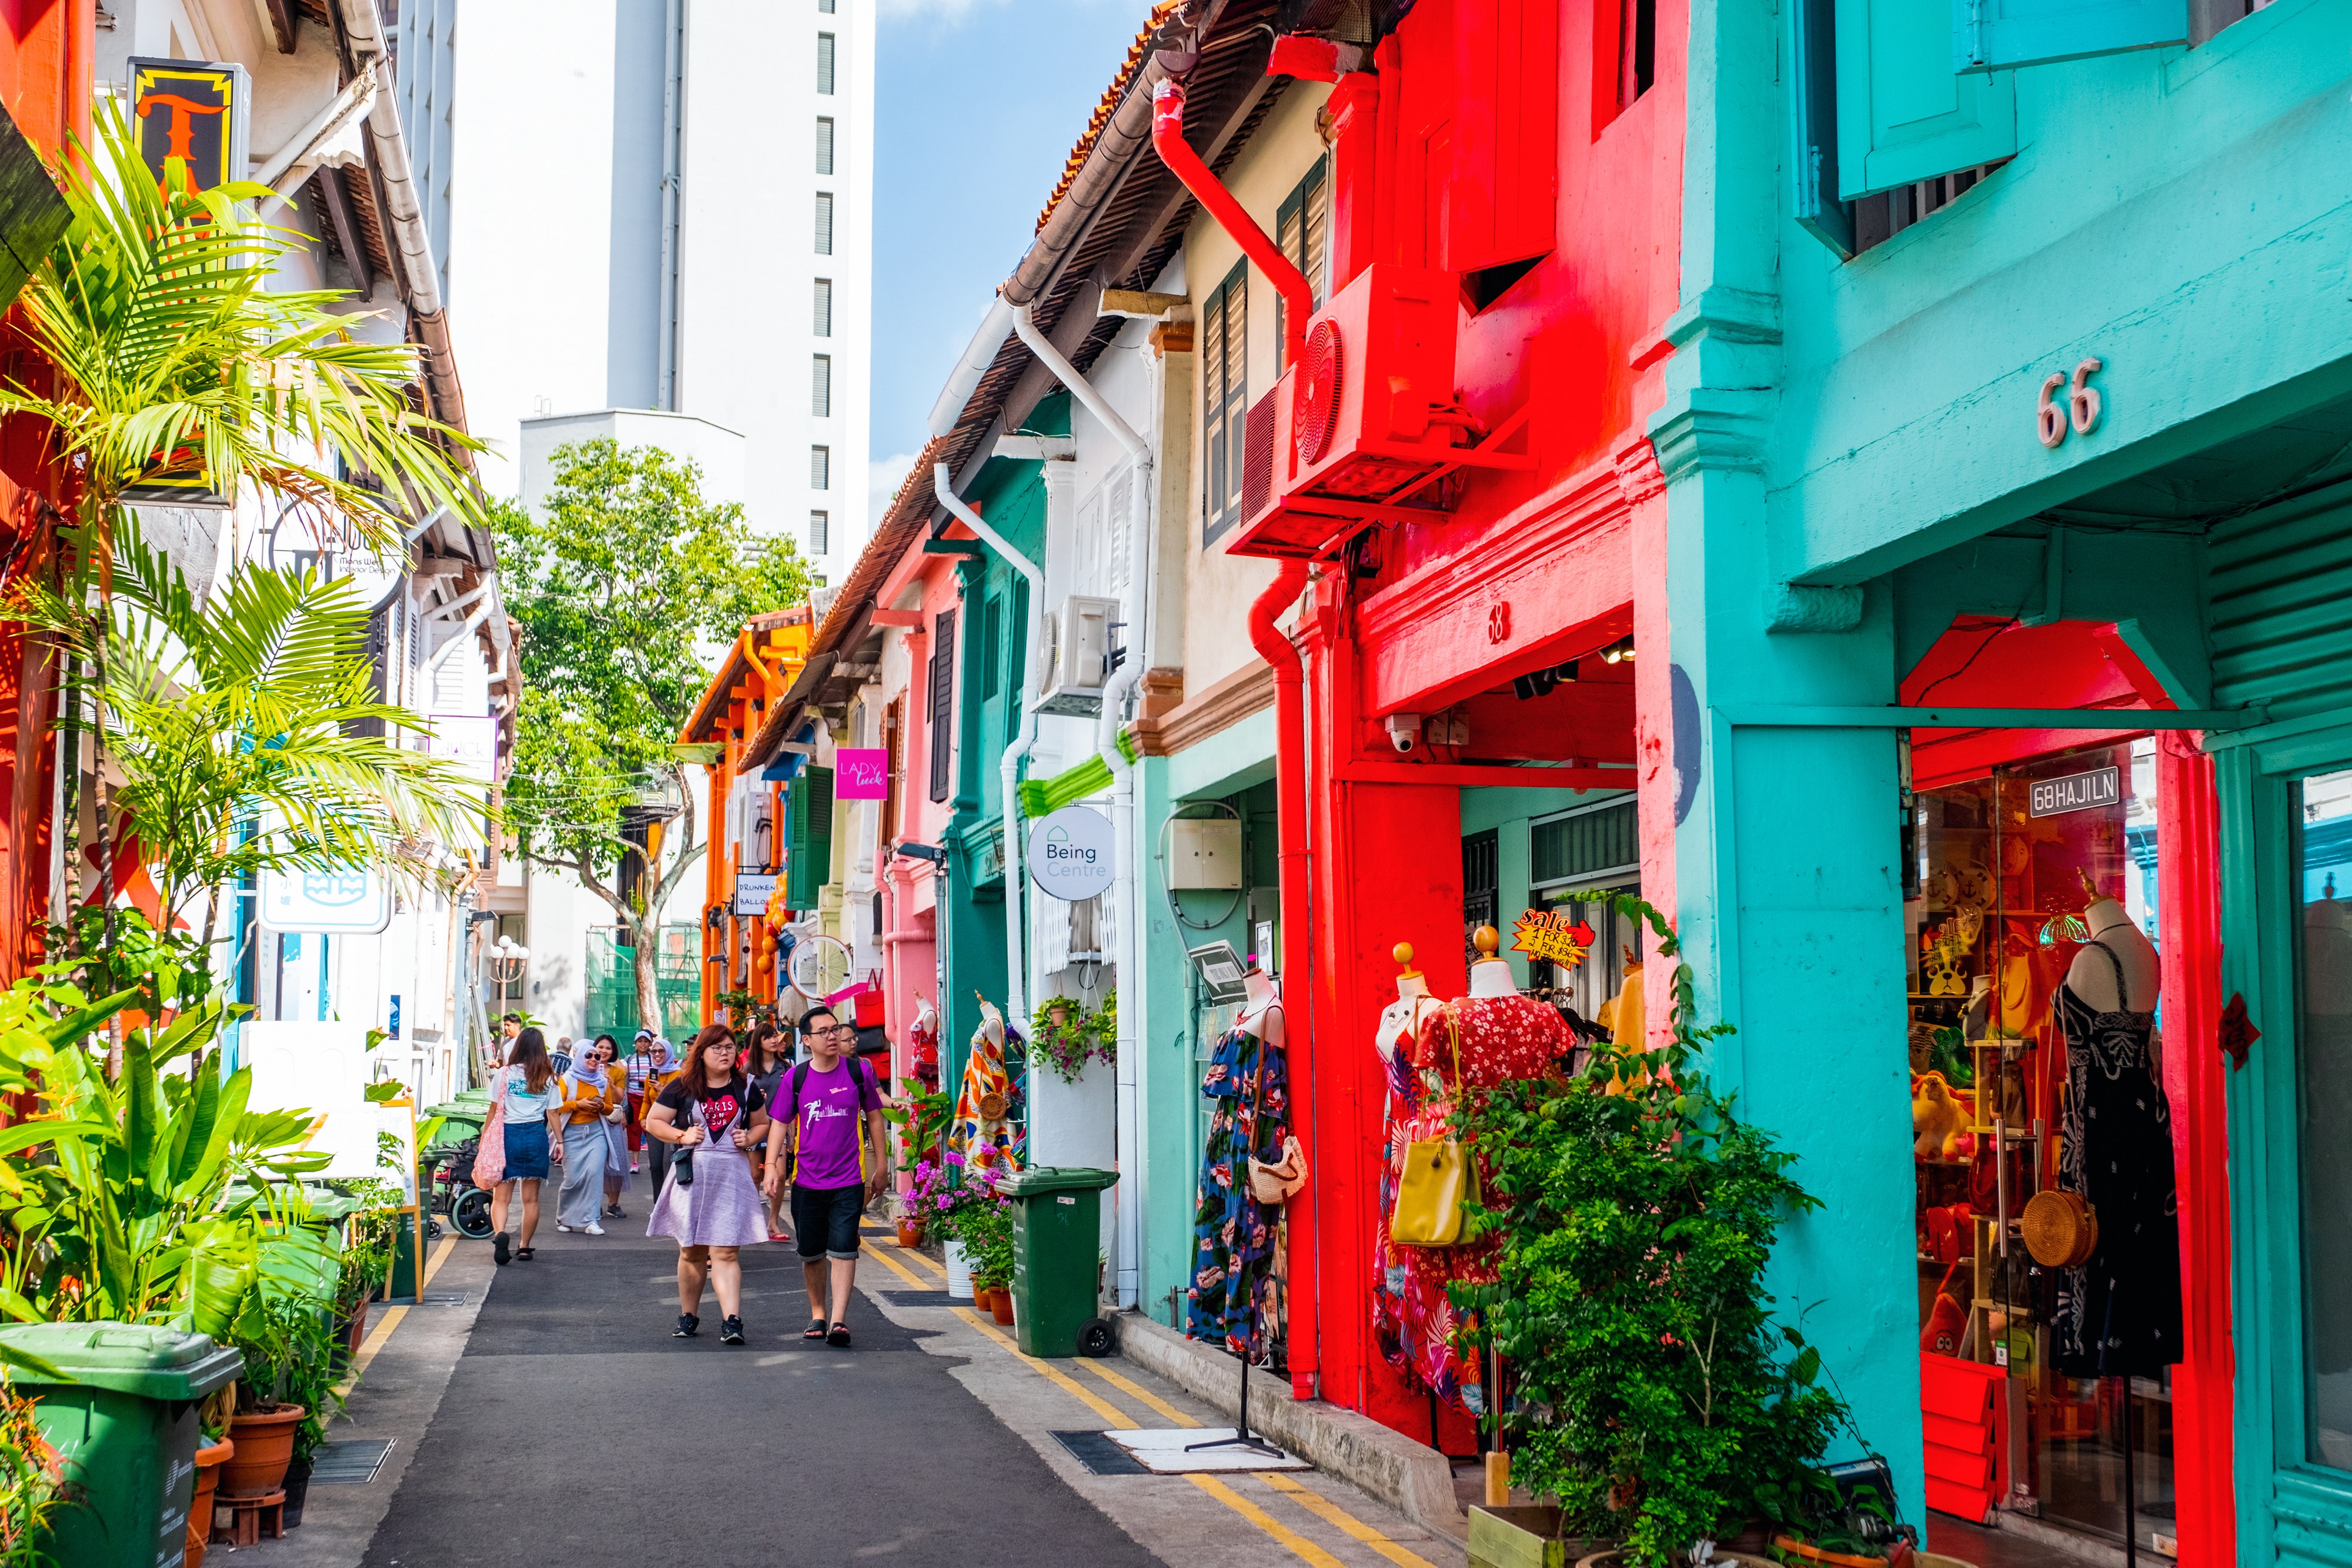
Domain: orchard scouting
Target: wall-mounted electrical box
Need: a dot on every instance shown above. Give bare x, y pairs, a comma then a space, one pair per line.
1204, 852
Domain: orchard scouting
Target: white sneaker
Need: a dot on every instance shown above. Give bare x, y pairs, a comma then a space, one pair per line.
564, 1227
595, 1231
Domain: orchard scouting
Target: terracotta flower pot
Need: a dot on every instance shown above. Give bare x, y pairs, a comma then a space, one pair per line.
1002, 1305
200, 1508
911, 1234
265, 1446
358, 1326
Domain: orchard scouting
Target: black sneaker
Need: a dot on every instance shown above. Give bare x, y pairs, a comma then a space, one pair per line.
614, 1211
498, 1248
731, 1331
687, 1325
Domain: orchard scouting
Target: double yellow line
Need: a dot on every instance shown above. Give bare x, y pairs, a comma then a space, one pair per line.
889, 1254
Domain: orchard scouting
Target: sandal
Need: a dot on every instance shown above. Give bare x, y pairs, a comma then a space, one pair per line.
816, 1329
839, 1336
522, 1254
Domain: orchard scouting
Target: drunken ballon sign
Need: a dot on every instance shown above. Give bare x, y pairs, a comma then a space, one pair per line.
1070, 853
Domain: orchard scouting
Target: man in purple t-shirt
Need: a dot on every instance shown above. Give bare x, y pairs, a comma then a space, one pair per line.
822, 1107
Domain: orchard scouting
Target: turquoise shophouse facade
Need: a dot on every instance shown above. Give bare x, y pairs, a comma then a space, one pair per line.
2013, 377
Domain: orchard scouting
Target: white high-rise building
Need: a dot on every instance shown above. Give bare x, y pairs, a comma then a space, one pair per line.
679, 194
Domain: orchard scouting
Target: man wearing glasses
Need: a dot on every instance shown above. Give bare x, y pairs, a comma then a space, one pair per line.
829, 1128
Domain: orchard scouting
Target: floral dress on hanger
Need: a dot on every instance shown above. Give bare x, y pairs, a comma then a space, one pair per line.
1233, 1234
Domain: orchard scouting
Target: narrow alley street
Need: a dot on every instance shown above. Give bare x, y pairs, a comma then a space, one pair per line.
572, 1429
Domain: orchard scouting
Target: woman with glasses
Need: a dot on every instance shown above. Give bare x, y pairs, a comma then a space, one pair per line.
765, 1061
710, 1116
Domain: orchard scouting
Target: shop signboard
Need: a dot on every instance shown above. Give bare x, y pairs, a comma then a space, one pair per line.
2077, 792
1070, 853
752, 891
861, 773
1550, 935
352, 902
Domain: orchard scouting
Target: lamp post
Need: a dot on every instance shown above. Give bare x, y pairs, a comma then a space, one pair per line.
507, 957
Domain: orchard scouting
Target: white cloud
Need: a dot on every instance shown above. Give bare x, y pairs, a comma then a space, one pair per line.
883, 477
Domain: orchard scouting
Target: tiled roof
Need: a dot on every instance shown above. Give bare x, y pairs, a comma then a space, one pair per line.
1130, 68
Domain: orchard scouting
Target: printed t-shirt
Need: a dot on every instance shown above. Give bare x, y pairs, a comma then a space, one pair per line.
831, 1106
736, 1097
523, 1105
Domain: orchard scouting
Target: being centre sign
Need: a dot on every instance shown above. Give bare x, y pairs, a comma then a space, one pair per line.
1070, 853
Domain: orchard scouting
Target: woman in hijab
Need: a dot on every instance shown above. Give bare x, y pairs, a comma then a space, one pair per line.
587, 1097
616, 1126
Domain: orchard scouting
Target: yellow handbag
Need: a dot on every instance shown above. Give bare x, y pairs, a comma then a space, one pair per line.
1437, 1176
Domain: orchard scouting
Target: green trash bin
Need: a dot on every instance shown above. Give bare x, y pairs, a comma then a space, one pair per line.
1056, 1243
126, 1428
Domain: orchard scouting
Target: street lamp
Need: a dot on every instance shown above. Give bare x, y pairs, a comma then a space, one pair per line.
507, 957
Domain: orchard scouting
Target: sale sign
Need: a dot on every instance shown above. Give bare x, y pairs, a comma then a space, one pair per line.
1547, 933
861, 773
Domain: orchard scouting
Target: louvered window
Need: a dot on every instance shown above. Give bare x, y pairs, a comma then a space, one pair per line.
824, 223
1224, 395
1589, 844
942, 701
992, 633
825, 62
819, 467
808, 837
821, 385
821, 317
825, 7
824, 144
1302, 227
820, 533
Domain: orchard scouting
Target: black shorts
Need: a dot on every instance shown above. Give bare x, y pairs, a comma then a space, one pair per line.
825, 1219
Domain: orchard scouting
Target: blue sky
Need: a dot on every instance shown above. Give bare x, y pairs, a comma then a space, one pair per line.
979, 101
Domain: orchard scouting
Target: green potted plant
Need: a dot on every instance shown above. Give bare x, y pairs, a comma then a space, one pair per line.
986, 1232
1656, 1399
1065, 1038
32, 1486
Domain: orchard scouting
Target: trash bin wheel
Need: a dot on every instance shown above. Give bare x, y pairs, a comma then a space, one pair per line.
471, 1214
1096, 1338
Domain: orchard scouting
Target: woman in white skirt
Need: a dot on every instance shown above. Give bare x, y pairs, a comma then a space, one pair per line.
710, 1114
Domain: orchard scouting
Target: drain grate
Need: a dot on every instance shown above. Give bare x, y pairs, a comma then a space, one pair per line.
1101, 1456
450, 1299
351, 1463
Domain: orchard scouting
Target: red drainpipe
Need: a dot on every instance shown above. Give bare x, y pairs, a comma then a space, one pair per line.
1289, 726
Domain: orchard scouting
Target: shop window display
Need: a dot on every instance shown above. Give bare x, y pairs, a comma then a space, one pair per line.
2035, 1070
2323, 1048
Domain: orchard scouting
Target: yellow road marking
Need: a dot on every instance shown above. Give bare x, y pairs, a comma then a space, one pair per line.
369, 1347
1051, 1373
1330, 1513
900, 1269
1282, 1533
922, 1258
440, 1256
1130, 1388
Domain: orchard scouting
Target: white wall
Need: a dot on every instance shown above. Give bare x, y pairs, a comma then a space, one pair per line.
717, 451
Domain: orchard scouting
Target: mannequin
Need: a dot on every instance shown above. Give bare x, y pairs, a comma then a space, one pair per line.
983, 1108
1261, 1007
1490, 975
2092, 979
1235, 1299
1493, 1033
1401, 1019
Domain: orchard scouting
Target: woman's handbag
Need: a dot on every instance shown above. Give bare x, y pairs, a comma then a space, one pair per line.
2061, 1228
1275, 1182
1436, 1179
490, 1151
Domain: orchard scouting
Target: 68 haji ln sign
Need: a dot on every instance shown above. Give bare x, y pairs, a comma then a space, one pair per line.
1070, 853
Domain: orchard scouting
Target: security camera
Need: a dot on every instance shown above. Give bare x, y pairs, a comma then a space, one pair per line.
1405, 732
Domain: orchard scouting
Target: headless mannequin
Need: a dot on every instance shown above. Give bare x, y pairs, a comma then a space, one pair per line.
1400, 1019
2092, 979
1490, 975
1261, 1013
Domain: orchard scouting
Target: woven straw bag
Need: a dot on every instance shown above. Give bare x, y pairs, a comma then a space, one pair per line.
2061, 1230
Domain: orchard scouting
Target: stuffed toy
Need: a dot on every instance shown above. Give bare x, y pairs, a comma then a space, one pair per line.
1938, 1119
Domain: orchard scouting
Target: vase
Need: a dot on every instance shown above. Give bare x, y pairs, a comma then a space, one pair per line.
200, 1506
959, 1272
1002, 1305
265, 1446
297, 1487
911, 1234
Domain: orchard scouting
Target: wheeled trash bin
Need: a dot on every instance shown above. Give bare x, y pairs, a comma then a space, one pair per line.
1057, 1252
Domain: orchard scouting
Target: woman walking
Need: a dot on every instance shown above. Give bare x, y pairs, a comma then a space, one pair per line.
616, 1126
769, 1058
651, 1067
710, 1115
526, 1100
586, 1150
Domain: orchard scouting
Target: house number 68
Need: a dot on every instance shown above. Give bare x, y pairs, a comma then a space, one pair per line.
2081, 408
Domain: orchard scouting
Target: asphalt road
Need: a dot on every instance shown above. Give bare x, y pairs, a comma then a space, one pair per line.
575, 1433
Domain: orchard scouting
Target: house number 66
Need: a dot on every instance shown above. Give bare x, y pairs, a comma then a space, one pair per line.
2081, 408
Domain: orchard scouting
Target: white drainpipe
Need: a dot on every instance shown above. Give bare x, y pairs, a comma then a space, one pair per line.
1008, 767
1122, 797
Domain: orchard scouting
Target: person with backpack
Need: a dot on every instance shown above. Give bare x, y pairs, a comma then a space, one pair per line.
827, 1128
710, 1115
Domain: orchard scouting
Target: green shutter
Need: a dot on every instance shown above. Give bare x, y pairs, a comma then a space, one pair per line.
1903, 114
2002, 34
808, 837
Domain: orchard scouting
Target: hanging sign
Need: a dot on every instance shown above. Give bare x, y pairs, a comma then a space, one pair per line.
1070, 853
2077, 792
355, 901
193, 111
1546, 934
752, 891
861, 773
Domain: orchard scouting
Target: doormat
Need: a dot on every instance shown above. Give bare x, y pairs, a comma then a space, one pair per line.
917, 1298
351, 1463
1099, 1455
1162, 1451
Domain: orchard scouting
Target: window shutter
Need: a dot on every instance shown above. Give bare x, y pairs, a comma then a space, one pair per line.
819, 467
825, 62
1225, 383
942, 701
821, 317
821, 386
824, 223
820, 533
1903, 115
811, 866
824, 144
2002, 35
1501, 196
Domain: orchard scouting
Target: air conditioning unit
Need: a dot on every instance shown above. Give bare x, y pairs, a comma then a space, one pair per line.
1364, 422
1078, 639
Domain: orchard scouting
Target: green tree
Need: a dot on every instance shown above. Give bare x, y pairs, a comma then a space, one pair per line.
627, 583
